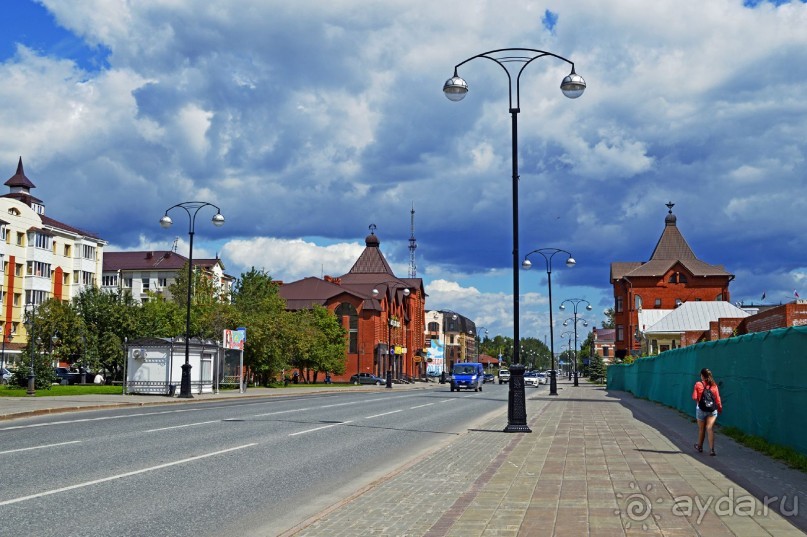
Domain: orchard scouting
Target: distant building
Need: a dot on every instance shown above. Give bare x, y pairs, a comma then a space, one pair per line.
604, 339
673, 276
382, 314
455, 334
42, 258
143, 272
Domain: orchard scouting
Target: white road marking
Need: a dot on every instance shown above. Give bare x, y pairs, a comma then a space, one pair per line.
40, 447
83, 420
181, 426
120, 476
420, 406
384, 414
320, 428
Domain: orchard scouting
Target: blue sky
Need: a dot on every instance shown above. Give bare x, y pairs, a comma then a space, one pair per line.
308, 121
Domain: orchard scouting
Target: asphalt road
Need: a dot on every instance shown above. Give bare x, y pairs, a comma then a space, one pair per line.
241, 467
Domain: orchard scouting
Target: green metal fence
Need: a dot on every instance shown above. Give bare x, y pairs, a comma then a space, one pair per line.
762, 379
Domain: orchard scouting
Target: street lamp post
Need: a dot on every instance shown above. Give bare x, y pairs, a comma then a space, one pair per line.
455, 89
575, 302
192, 208
30, 326
478, 329
548, 254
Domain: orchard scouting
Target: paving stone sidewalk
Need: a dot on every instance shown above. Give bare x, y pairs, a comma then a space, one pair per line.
597, 463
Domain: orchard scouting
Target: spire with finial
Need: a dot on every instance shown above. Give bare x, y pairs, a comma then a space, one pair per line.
670, 219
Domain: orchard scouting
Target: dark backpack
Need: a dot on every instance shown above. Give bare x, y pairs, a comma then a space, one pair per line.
707, 401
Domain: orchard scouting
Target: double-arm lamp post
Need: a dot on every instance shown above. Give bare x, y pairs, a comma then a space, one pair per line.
575, 302
390, 347
548, 254
192, 208
455, 89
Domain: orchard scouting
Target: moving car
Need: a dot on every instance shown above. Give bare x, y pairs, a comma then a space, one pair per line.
531, 378
504, 376
489, 377
367, 378
468, 375
542, 378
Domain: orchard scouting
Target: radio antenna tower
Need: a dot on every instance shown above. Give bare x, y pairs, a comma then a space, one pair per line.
412, 245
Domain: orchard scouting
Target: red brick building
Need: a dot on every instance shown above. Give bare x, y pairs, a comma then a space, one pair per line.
672, 276
380, 312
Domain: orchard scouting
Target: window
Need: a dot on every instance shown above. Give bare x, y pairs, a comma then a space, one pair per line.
719, 298
3, 233
347, 310
127, 282
678, 302
88, 251
620, 333
87, 278
20, 238
5, 266
109, 281
657, 304
144, 282
637, 302
162, 282
682, 278
38, 268
18, 269
66, 278
434, 327
67, 251
43, 241
36, 297
76, 276
606, 351
619, 305
14, 326
17, 297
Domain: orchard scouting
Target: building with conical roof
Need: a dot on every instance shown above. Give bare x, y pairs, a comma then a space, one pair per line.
382, 314
42, 258
672, 276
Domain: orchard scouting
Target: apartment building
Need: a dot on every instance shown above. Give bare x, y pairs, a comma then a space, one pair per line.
144, 273
42, 258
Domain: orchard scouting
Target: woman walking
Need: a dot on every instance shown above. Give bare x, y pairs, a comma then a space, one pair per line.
708, 406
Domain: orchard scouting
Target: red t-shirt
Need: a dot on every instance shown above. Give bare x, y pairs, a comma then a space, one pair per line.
696, 394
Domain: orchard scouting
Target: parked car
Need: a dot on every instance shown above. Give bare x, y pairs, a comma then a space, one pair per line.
5, 375
367, 378
489, 377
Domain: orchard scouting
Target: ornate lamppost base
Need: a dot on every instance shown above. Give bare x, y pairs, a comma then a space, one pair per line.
516, 403
185, 384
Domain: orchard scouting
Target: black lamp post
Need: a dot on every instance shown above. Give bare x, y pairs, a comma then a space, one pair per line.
548, 254
192, 208
575, 302
454, 316
479, 336
31, 328
455, 89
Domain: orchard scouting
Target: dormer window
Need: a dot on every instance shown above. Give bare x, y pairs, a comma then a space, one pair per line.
13, 211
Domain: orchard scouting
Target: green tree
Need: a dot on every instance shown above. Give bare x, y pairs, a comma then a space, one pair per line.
608, 322
320, 342
270, 330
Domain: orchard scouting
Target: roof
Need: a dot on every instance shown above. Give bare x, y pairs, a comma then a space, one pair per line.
670, 249
304, 293
19, 179
696, 316
649, 317
151, 260
604, 334
371, 260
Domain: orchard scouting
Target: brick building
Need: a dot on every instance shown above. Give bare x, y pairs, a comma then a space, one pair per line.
672, 276
380, 312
